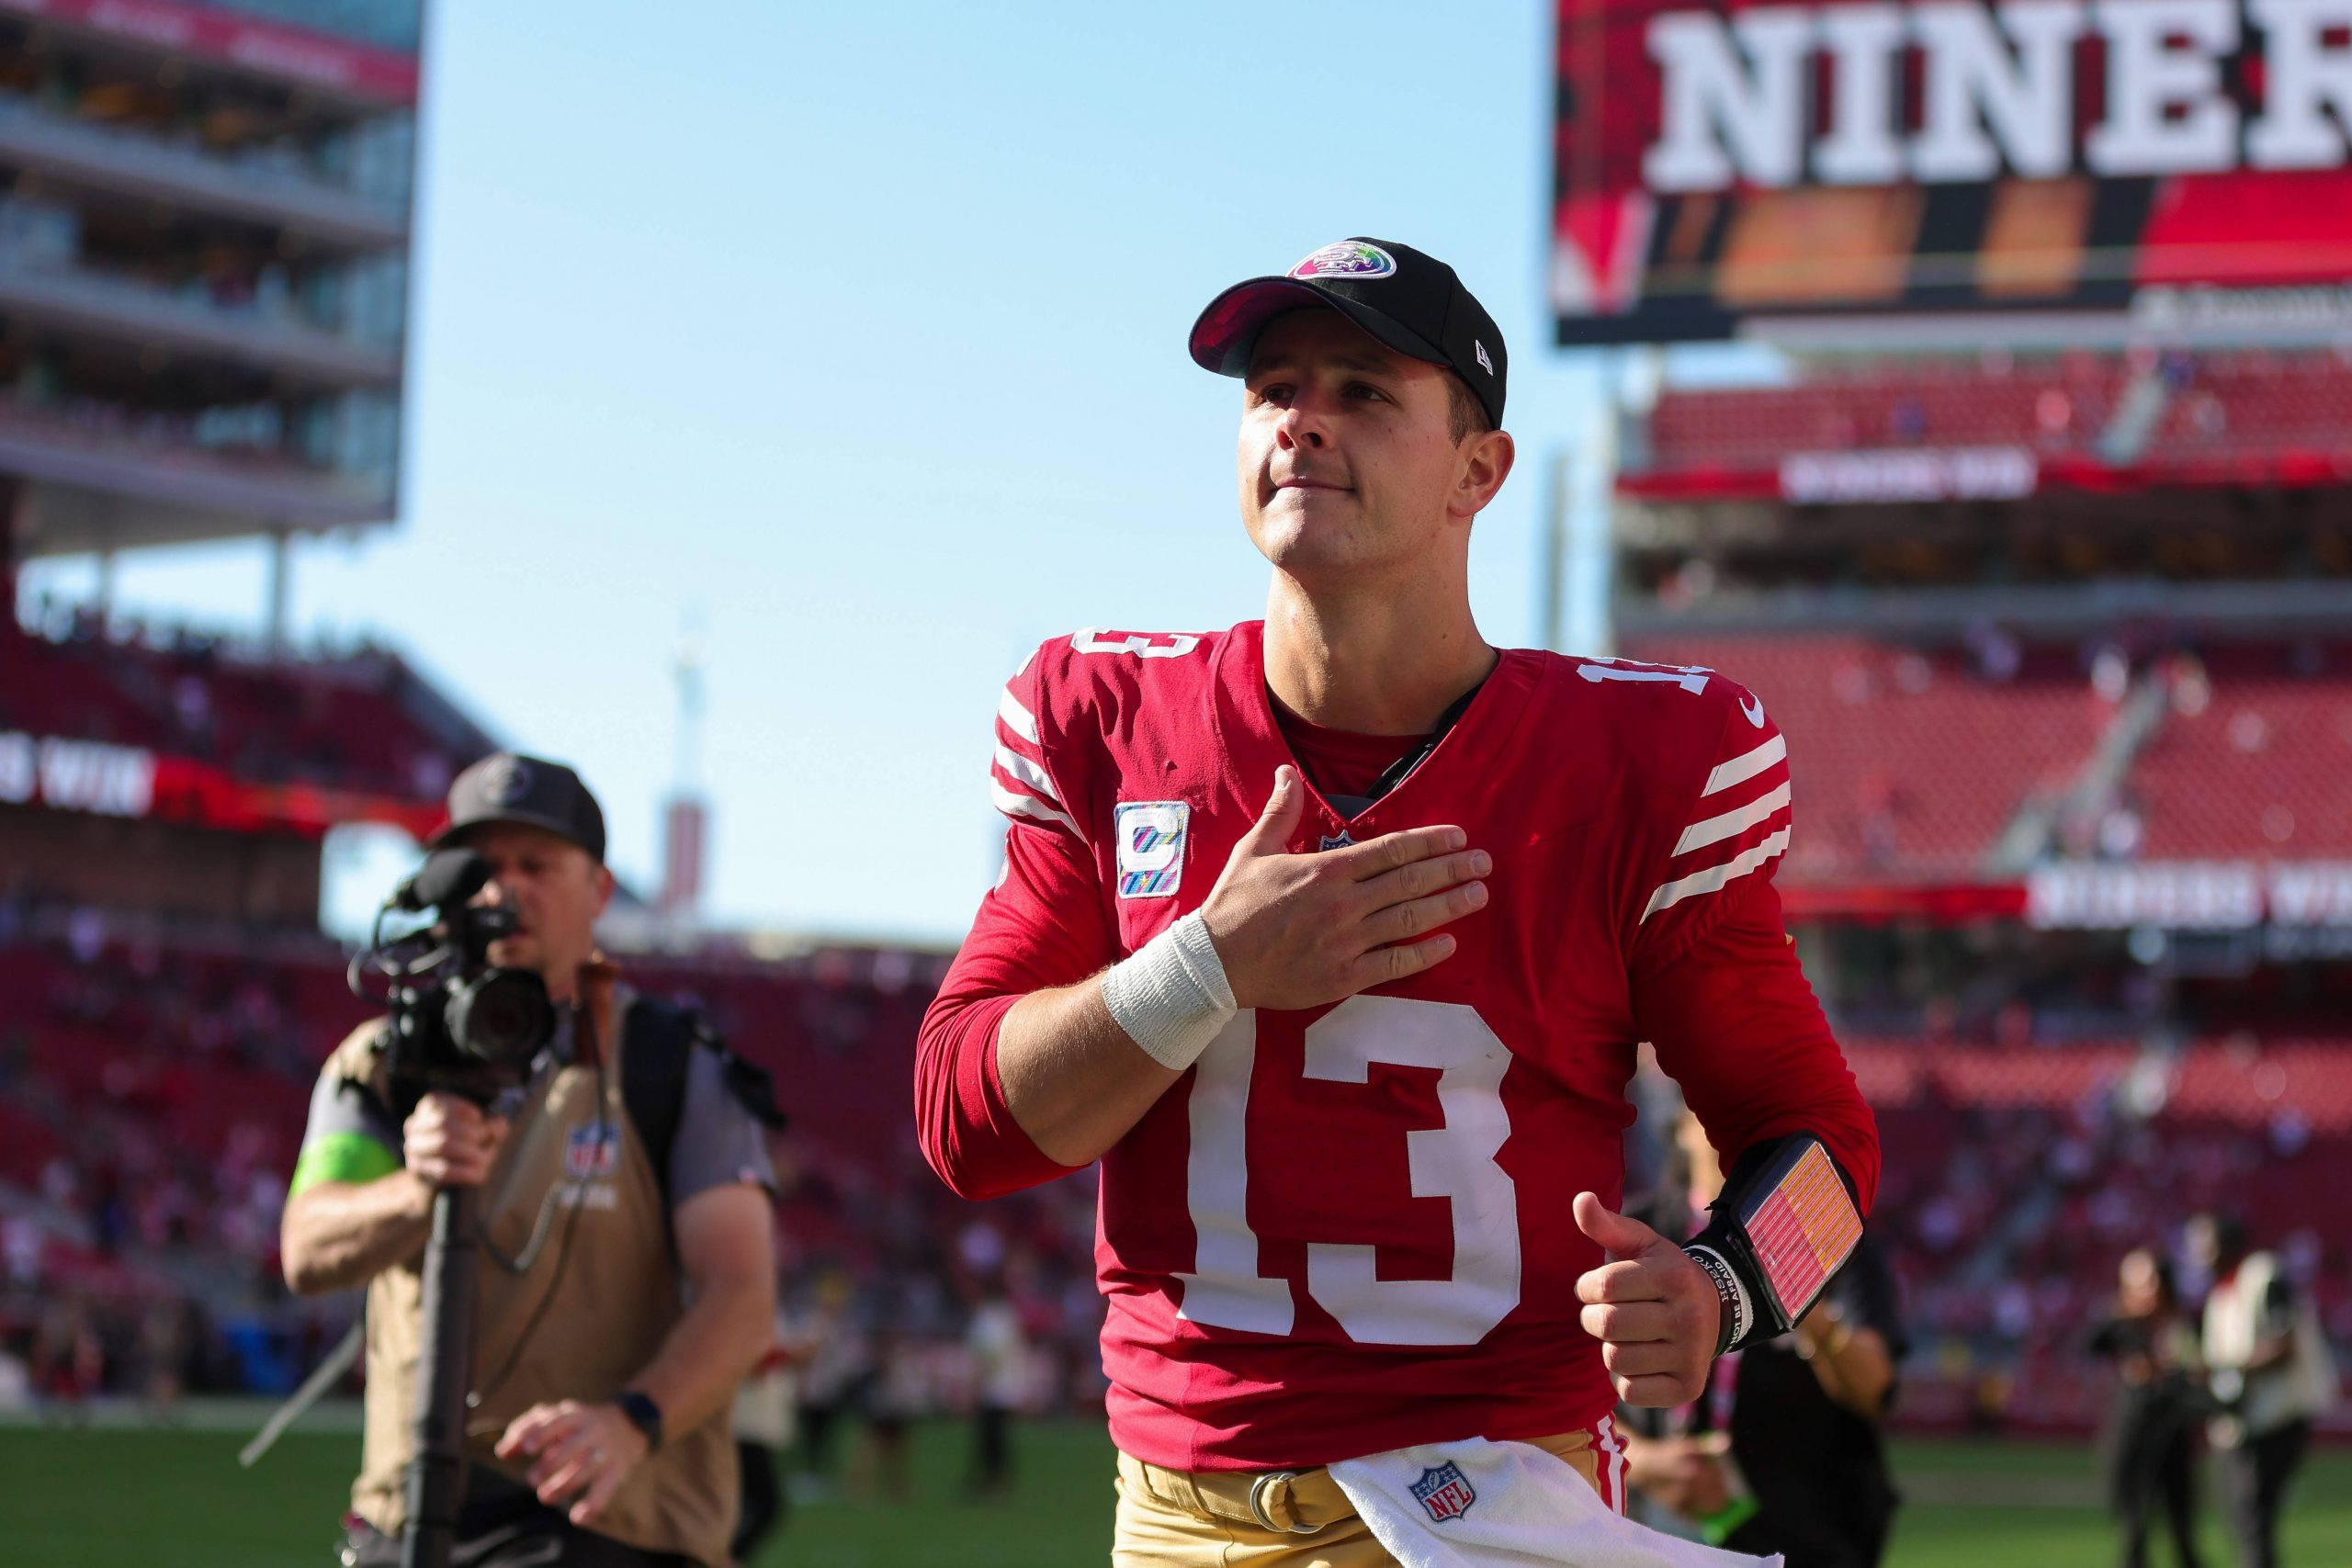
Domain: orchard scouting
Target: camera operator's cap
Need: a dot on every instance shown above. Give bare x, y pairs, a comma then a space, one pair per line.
508, 787
1412, 302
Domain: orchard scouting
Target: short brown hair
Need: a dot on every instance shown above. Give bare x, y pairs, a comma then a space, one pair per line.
1464, 414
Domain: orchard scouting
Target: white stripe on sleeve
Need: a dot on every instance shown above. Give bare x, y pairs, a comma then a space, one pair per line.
1713, 878
1746, 765
1018, 720
1731, 824
1027, 773
1029, 806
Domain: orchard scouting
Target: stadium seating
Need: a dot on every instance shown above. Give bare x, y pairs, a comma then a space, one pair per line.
2018, 1177
2252, 759
2238, 403
1905, 763
2218, 416
354, 722
153, 1090
2054, 407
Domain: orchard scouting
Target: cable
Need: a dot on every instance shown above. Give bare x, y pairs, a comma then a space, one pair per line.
529, 1255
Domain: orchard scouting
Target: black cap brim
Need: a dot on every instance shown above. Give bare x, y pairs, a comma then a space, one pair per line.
1228, 330
456, 831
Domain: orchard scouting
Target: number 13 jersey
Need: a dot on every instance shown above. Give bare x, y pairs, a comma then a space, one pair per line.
1347, 1229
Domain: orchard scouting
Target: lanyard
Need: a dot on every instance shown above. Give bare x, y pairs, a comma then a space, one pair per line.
1401, 769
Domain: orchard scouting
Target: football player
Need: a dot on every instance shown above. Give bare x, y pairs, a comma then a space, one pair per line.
1333, 936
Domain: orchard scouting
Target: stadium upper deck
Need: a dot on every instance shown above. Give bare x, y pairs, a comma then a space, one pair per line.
2071, 634
2005, 430
204, 233
1926, 761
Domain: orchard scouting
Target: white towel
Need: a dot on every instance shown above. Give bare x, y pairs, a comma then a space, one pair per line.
1485, 1504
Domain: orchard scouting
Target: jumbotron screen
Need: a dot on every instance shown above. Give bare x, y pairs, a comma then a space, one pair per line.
2188, 163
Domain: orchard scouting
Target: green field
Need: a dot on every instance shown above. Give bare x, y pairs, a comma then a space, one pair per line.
137, 1498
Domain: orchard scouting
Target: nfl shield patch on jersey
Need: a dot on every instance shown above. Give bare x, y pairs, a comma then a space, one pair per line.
1151, 847
1445, 1492
591, 1153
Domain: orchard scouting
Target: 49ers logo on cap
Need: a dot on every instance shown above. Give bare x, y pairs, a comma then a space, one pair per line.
506, 778
1348, 258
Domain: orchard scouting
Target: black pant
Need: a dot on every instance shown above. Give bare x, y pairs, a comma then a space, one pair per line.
2158, 1468
764, 1501
2253, 1483
992, 1447
1839, 1518
817, 1425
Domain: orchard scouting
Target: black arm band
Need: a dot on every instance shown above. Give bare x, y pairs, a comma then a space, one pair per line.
1784, 1227
643, 1414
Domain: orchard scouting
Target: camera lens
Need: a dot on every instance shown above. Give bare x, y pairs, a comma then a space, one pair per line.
502, 1016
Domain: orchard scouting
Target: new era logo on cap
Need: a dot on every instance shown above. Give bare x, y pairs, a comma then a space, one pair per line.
1484, 363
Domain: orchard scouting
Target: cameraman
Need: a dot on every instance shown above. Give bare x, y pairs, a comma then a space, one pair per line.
2270, 1372
627, 1281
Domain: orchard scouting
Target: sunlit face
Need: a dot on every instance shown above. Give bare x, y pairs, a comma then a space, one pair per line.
556, 889
2137, 1287
1348, 464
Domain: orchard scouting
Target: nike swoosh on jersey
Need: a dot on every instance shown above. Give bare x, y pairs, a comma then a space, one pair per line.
1754, 708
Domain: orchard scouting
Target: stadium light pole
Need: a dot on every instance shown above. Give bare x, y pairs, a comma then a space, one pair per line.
1579, 543
281, 589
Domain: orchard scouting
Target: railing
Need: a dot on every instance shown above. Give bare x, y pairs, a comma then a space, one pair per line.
96, 301
259, 186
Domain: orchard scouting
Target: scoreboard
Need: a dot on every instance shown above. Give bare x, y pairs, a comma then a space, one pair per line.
2174, 162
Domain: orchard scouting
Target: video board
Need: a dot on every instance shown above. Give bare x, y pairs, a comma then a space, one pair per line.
2182, 163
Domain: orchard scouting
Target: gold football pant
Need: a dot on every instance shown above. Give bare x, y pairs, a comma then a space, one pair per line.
1177, 1519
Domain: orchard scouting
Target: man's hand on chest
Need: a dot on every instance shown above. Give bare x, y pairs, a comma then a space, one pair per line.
1299, 930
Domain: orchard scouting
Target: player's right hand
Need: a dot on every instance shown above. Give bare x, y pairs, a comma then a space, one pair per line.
1298, 930
448, 1141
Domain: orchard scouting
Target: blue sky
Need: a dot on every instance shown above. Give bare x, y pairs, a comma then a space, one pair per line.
857, 332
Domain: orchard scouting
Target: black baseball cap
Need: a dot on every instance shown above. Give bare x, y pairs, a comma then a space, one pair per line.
1412, 302
506, 786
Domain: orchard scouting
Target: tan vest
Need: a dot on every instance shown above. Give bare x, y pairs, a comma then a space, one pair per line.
620, 1291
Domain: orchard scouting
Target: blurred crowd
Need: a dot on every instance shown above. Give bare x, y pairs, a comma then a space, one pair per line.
351, 718
151, 1091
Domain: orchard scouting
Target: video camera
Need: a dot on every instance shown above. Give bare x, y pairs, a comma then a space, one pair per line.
458, 1022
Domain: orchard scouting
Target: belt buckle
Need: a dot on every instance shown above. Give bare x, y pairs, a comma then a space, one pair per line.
1258, 1503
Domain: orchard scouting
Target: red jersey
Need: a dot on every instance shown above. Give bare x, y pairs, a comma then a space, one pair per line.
1347, 1229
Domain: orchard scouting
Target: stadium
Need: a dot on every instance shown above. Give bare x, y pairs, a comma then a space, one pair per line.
2025, 506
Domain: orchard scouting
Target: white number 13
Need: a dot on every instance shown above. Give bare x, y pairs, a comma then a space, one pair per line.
1455, 1161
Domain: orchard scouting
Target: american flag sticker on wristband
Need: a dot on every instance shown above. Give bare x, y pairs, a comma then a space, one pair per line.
1803, 1226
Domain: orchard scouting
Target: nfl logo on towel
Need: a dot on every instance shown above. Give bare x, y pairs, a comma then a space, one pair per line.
1444, 1491
591, 1153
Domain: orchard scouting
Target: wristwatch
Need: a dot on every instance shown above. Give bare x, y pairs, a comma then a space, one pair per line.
643, 1414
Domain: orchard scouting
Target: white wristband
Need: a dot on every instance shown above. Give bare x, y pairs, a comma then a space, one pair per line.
1170, 995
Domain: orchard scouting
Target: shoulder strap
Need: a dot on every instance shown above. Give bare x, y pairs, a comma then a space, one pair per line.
658, 1041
